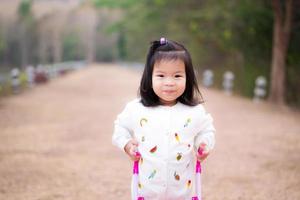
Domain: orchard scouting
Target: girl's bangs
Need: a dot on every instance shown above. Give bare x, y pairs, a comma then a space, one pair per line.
169, 55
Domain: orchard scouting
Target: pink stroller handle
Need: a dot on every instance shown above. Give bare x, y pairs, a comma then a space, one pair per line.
136, 173
198, 165
135, 179
198, 177
136, 164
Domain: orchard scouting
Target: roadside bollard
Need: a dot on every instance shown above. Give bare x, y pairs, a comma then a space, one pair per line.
53, 71
260, 88
40, 75
228, 78
15, 81
30, 76
208, 78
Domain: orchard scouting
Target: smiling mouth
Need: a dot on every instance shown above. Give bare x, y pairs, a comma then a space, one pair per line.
169, 91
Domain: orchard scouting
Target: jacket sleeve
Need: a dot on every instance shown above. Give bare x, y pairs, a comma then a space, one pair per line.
122, 128
206, 131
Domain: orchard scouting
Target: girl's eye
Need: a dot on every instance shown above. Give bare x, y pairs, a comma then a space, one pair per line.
178, 76
160, 75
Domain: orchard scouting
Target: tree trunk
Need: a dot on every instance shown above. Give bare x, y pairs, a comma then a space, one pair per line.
24, 45
57, 46
281, 37
90, 32
42, 50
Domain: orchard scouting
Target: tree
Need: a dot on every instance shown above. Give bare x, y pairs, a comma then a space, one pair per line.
26, 22
283, 15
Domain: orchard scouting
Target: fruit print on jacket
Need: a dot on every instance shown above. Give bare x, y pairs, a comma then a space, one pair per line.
143, 121
153, 149
189, 183
187, 122
177, 137
152, 174
176, 176
179, 156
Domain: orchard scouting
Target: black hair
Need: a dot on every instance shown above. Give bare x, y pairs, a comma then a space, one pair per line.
169, 50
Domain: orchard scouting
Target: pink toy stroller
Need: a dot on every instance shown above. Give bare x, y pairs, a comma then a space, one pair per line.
135, 178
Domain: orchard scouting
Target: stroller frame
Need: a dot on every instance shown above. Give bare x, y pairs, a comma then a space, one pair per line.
135, 178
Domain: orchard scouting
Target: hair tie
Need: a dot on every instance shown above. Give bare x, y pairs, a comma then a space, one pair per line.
163, 41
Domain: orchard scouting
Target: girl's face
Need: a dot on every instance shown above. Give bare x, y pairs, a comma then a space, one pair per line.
168, 80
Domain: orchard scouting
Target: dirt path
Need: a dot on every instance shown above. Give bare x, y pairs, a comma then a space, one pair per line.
55, 143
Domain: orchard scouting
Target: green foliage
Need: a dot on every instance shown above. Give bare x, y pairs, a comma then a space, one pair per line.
23, 78
24, 9
6, 87
71, 47
2, 45
114, 4
122, 46
105, 54
221, 35
113, 28
253, 27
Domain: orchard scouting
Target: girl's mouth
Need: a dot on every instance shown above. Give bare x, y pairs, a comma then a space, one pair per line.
169, 91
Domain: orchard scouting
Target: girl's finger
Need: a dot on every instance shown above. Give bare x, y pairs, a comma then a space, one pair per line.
202, 146
135, 142
135, 156
202, 156
132, 151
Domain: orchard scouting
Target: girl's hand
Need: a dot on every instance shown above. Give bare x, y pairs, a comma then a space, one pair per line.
131, 149
204, 152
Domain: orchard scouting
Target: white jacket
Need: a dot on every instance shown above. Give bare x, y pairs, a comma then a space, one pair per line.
167, 137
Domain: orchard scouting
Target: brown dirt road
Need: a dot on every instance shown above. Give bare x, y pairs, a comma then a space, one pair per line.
55, 143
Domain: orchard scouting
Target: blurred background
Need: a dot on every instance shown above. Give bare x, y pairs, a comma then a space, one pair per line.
55, 139
236, 36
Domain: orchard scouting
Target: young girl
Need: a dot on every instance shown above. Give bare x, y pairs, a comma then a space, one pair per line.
166, 125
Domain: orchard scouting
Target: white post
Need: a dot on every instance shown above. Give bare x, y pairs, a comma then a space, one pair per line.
228, 79
15, 82
260, 88
208, 78
30, 75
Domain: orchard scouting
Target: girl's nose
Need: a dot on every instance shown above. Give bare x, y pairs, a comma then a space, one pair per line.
169, 82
